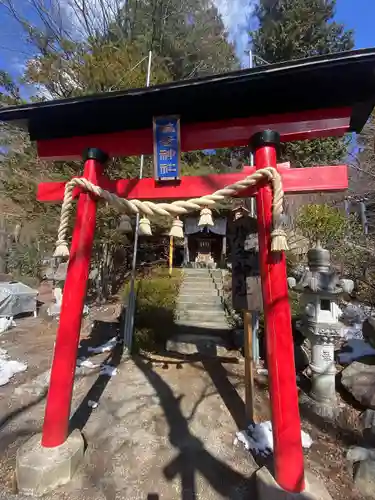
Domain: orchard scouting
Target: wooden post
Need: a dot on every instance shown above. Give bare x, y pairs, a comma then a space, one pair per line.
186, 250
223, 251
249, 373
170, 255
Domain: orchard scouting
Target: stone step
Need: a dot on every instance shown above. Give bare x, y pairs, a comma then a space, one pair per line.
200, 282
205, 345
203, 325
197, 272
199, 293
197, 279
191, 327
206, 285
199, 315
200, 290
216, 306
184, 303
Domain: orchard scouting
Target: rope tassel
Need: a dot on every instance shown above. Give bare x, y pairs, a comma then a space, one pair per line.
176, 208
205, 218
145, 227
177, 229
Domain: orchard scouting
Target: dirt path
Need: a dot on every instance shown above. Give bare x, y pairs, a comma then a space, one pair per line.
157, 431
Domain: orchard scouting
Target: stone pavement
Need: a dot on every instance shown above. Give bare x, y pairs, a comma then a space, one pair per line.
162, 431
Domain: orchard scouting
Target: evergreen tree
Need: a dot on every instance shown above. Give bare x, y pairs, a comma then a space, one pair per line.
188, 35
294, 29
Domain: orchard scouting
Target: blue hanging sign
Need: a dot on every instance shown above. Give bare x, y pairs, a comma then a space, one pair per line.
167, 150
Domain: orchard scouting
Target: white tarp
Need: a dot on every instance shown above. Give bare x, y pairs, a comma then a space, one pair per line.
17, 298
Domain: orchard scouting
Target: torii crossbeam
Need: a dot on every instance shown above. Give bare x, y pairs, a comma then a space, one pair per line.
295, 180
317, 97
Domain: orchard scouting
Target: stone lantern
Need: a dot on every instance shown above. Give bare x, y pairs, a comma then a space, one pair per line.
320, 288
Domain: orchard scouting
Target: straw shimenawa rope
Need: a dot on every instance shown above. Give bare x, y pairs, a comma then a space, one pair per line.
175, 208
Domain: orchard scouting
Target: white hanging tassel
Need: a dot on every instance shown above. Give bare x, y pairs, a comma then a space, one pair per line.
62, 249
145, 227
177, 228
125, 224
205, 218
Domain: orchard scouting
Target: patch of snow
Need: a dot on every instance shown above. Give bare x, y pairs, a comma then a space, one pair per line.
83, 362
108, 370
259, 439
6, 322
92, 404
108, 346
9, 367
358, 348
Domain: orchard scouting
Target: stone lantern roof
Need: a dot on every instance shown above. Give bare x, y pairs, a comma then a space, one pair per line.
320, 277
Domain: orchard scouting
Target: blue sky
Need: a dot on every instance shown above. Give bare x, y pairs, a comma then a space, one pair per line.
356, 14
359, 15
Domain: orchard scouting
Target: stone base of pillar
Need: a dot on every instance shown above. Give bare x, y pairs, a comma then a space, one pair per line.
268, 489
40, 470
327, 409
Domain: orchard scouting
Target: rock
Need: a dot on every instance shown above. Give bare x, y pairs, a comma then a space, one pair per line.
367, 423
368, 419
363, 460
368, 331
353, 313
359, 454
359, 379
364, 477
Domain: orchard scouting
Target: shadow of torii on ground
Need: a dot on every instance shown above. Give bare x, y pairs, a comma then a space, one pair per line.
192, 457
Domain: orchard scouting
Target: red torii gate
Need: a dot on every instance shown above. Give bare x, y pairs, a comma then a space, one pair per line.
327, 96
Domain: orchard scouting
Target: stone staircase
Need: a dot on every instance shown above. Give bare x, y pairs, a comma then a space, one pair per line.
200, 319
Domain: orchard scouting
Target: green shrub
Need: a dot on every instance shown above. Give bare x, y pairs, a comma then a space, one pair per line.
156, 295
322, 223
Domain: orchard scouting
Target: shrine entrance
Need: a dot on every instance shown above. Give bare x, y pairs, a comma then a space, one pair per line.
298, 100
206, 246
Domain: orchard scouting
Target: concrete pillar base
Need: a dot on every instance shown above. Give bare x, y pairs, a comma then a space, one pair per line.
40, 470
268, 489
327, 410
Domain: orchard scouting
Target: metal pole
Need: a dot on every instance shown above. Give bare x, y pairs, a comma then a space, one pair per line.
286, 423
129, 317
253, 213
56, 420
252, 200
